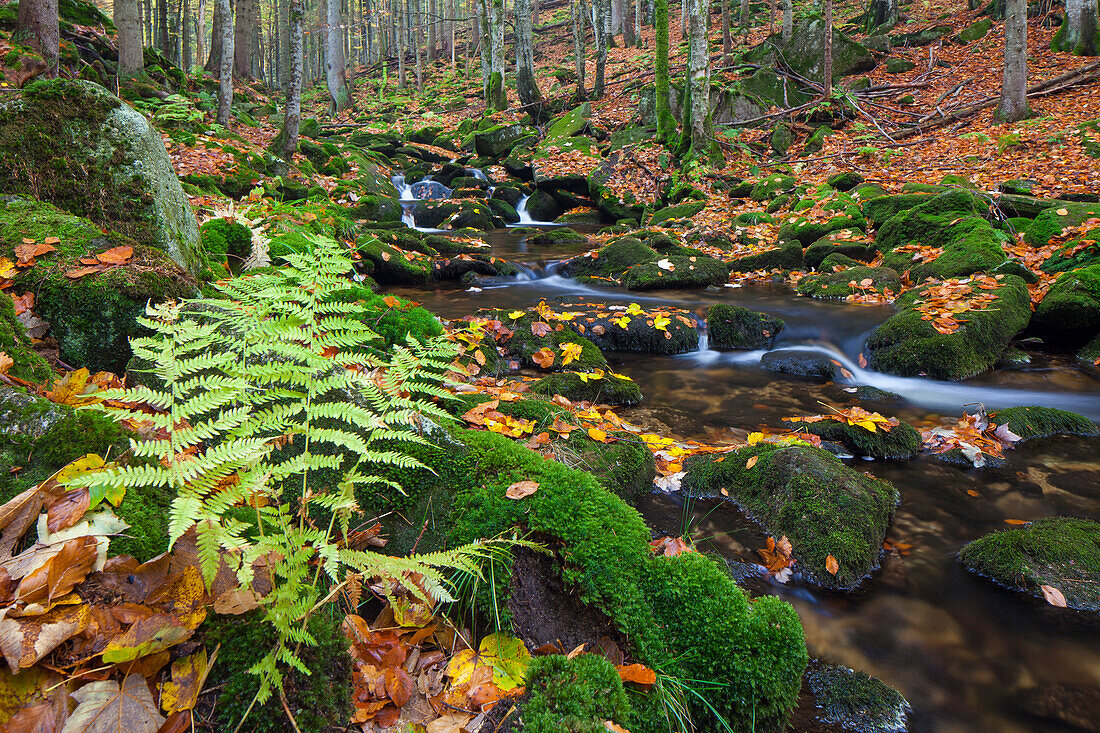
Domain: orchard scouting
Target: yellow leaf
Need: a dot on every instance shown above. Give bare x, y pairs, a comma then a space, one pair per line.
517, 314
594, 374
661, 323
867, 424
634, 309
5, 362
570, 352
597, 435
622, 322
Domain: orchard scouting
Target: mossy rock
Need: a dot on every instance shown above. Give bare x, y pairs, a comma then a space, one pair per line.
1050, 222
975, 31
835, 262
809, 363
804, 51
770, 187
807, 231
922, 37
613, 259
524, 343
847, 242
571, 123
26, 363
676, 271
1079, 252
1089, 355
605, 327
909, 346
558, 236
787, 256
969, 245
392, 265
899, 442
733, 327
1060, 552
867, 191
845, 181
316, 700
899, 66
850, 282
74, 144
821, 505
573, 695
684, 210
608, 189
498, 141
928, 223
1043, 422
856, 700
611, 389
879, 209
1069, 315
683, 614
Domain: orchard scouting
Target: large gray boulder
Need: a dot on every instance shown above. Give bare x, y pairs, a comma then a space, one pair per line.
803, 52
76, 145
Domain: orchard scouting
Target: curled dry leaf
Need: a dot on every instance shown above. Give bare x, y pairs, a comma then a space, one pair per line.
639, 674
520, 489
1053, 596
752, 461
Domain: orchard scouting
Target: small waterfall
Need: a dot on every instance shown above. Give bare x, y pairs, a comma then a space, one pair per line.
525, 219
477, 173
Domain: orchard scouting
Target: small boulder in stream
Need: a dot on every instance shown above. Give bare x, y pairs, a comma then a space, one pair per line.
1043, 422
802, 363
856, 701
897, 442
808, 495
1049, 557
733, 327
429, 190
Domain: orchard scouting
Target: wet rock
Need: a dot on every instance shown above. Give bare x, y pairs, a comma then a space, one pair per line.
732, 327
78, 146
1043, 422
498, 141
1050, 222
821, 505
429, 190
1075, 704
804, 52
542, 206
610, 389
899, 442
801, 363
848, 242
1058, 552
558, 236
909, 346
453, 214
845, 181
787, 256
856, 701
26, 363
676, 271
852, 281
1069, 315
617, 328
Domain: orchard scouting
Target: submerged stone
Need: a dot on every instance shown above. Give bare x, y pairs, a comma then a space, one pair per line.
856, 701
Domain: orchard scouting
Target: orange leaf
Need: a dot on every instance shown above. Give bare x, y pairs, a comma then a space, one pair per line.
521, 489
831, 564
1053, 596
81, 272
639, 674
116, 255
752, 461
1016, 522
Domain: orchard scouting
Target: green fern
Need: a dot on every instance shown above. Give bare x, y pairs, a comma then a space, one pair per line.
282, 358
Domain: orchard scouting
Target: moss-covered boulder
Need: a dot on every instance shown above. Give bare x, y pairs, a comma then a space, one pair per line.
559, 236
573, 695
908, 345
852, 281
881, 208
856, 701
807, 231
609, 189
809, 495
1069, 315
74, 144
1050, 222
897, 442
851, 243
787, 256
530, 334
845, 181
683, 210
612, 260
676, 271
768, 188
393, 265
971, 245
929, 222
804, 52
1043, 422
654, 331
1078, 252
498, 141
26, 364
733, 327
1058, 552
608, 388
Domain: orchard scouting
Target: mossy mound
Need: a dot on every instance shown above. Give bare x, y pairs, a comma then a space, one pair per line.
845, 181
683, 615
807, 231
625, 468
733, 327
524, 343
612, 329
558, 236
74, 144
856, 700
1069, 315
787, 256
768, 188
879, 209
901, 441
610, 389
1060, 552
809, 495
970, 245
848, 242
684, 210
929, 222
1042, 422
1050, 222
676, 271
573, 695
26, 363
316, 699
612, 260
909, 346
1080, 252
853, 281
392, 265
498, 141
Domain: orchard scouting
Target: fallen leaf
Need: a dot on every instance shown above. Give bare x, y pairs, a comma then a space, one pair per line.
752, 461
831, 564
520, 489
639, 674
1053, 596
105, 706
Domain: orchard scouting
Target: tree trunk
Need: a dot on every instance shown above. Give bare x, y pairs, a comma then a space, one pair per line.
1013, 107
242, 39
214, 59
727, 41
225, 69
1079, 33
616, 23
699, 77
174, 13
339, 97
293, 115
498, 95
666, 125
399, 43
131, 60
603, 21
579, 59
37, 22
827, 51
638, 23
744, 20
200, 34
418, 41
788, 20
628, 23
186, 40
526, 88
164, 44
881, 12
433, 12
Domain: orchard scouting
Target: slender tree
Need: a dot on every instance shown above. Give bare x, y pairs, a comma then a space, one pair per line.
214, 58
578, 11
225, 71
242, 38
1013, 106
293, 115
727, 41
335, 66
744, 20
131, 60
164, 44
628, 23
788, 20
827, 52
666, 125
603, 22
1079, 33
881, 12
186, 12
698, 86
526, 88
685, 10
498, 95
37, 25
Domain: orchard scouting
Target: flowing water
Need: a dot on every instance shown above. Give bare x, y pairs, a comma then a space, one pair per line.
957, 646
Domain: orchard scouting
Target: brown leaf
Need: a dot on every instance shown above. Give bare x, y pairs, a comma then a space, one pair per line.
82, 271
540, 329
544, 357
520, 489
105, 706
236, 601
116, 255
752, 461
831, 564
1053, 596
67, 511
399, 685
614, 728
24, 641
59, 573
39, 718
639, 674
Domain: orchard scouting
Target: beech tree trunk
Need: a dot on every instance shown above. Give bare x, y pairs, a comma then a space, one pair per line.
1013, 106
603, 22
37, 23
292, 117
684, 12
827, 51
666, 125
788, 20
335, 76
727, 41
200, 33
699, 77
186, 40
225, 69
498, 95
163, 43
744, 20
242, 39
628, 23
434, 13
526, 88
131, 61
1079, 33
214, 60
579, 59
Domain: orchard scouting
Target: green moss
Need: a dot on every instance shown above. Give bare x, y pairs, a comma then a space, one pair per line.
807, 232
845, 181
625, 468
226, 241
1049, 223
901, 441
856, 700
969, 244
837, 284
838, 242
684, 271
683, 615
684, 210
559, 236
524, 343
26, 363
733, 327
316, 700
1042, 422
821, 505
146, 510
391, 266
881, 208
909, 346
1069, 315
613, 260
787, 256
1069, 258
612, 389
1057, 551
573, 695
770, 187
